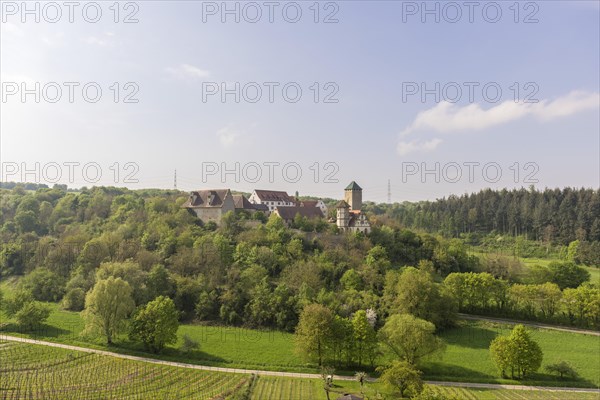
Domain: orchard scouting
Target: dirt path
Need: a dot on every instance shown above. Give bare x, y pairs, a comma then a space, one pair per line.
275, 373
532, 324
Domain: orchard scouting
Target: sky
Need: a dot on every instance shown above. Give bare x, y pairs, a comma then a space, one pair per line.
434, 98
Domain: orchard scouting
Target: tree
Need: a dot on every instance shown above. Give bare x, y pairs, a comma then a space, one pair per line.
517, 352
44, 285
156, 324
107, 306
365, 339
32, 315
403, 377
130, 272
159, 283
567, 274
361, 377
74, 300
410, 338
416, 293
562, 368
314, 332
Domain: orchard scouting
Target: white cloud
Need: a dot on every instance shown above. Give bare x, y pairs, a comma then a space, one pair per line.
229, 136
57, 39
93, 40
447, 117
187, 71
405, 148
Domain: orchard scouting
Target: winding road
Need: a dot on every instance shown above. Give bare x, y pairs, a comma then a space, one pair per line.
282, 374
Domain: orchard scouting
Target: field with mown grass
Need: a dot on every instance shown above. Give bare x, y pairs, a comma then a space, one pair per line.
466, 358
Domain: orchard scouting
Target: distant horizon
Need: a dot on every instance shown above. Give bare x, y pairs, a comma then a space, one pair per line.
292, 193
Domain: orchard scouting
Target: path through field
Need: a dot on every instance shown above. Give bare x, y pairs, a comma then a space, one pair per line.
531, 324
282, 374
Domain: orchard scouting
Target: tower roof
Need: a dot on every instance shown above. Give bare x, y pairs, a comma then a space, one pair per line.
353, 186
342, 204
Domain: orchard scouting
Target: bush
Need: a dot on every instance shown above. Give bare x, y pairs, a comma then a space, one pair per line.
13, 304
189, 344
44, 285
562, 369
32, 315
74, 300
155, 324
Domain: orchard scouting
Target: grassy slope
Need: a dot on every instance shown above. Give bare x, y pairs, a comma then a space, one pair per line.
467, 356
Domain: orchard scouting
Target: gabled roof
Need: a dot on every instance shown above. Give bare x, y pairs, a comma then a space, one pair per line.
353, 186
212, 198
241, 202
289, 213
342, 204
273, 195
308, 203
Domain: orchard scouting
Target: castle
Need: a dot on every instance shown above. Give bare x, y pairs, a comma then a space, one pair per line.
211, 205
349, 215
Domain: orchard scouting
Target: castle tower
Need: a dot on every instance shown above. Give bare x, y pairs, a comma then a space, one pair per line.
343, 214
353, 196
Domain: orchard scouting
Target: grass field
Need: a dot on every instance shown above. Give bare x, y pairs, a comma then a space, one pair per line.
41, 372
594, 271
467, 356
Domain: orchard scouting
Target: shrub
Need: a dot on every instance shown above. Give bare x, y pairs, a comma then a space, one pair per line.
189, 344
32, 315
562, 369
74, 300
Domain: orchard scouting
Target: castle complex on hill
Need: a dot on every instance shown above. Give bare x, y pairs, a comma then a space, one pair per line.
211, 205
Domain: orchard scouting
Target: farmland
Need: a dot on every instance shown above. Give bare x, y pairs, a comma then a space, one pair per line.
40, 372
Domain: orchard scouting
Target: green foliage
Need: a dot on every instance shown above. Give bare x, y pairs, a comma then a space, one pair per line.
189, 344
107, 306
44, 285
516, 352
365, 339
410, 338
74, 300
414, 292
131, 273
155, 324
32, 315
567, 274
562, 369
13, 304
313, 332
402, 377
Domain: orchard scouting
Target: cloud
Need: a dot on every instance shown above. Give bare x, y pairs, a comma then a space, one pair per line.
447, 117
187, 71
93, 40
413, 146
57, 39
229, 136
